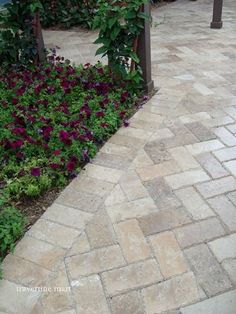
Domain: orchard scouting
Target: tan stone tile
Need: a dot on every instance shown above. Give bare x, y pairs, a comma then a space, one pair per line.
116, 196
53, 233
141, 160
39, 252
134, 189
80, 245
183, 158
168, 254
132, 276
95, 261
204, 147
212, 165
171, 294
132, 241
89, 295
103, 173
135, 133
127, 303
218, 186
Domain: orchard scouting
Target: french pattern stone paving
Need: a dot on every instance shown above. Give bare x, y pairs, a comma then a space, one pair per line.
149, 226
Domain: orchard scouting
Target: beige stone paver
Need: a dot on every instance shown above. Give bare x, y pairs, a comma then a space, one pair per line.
148, 227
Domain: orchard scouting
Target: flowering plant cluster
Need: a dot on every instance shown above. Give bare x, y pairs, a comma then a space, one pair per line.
53, 118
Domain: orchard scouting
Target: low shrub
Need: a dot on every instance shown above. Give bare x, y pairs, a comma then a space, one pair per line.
53, 118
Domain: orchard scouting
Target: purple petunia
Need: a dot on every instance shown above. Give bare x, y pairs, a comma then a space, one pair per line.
35, 172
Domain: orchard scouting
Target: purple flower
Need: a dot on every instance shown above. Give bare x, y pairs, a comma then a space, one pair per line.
35, 172
65, 137
54, 166
71, 164
18, 131
100, 114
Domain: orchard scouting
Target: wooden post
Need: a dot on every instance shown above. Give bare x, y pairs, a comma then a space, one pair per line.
217, 14
144, 50
39, 38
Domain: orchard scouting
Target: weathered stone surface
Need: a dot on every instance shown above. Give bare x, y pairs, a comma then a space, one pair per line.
160, 170
134, 209
191, 118
80, 245
16, 299
171, 294
224, 248
24, 272
134, 189
231, 166
141, 160
103, 173
183, 158
157, 151
225, 209
95, 261
224, 303
168, 254
39, 252
99, 230
135, 133
81, 200
218, 186
116, 196
53, 233
161, 134
68, 216
210, 275
200, 131
112, 161
179, 180
199, 232
163, 220
194, 204
204, 147
212, 165
162, 194
225, 154
131, 277
89, 295
132, 241
225, 136
127, 303
230, 267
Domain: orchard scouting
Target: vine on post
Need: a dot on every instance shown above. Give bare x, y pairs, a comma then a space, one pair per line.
18, 36
120, 23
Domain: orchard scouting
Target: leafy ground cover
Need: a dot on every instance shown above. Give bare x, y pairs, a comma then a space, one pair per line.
53, 119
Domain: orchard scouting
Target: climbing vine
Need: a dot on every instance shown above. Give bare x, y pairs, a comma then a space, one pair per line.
120, 23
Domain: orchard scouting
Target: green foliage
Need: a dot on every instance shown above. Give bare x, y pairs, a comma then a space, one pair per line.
68, 13
120, 24
12, 224
17, 40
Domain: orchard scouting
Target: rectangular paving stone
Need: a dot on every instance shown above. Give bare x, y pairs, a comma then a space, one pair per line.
231, 111
134, 189
225, 209
132, 276
183, 158
135, 133
67, 216
231, 166
148, 116
39, 252
226, 154
114, 149
225, 136
199, 232
23, 272
141, 124
116, 196
81, 200
232, 128
127, 141
163, 220
89, 295
225, 120
103, 173
161, 134
218, 186
204, 147
224, 248
168, 254
194, 203
212, 165
112, 161
200, 131
162, 194
53, 233
95, 261
230, 267
159, 170
210, 275
127, 303
199, 116
157, 151
220, 304
91, 185
179, 180
15, 298
132, 241
99, 230
134, 209
171, 294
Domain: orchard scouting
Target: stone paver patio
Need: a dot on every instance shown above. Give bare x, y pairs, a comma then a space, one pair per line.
150, 225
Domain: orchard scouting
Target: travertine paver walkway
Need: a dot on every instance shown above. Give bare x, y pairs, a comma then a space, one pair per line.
150, 225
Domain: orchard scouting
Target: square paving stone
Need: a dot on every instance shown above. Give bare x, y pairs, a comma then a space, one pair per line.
127, 303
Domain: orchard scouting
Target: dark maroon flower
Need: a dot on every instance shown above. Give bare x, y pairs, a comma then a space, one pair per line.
20, 91
65, 137
71, 164
18, 131
14, 101
100, 114
104, 125
126, 123
54, 166
35, 172
124, 97
57, 152
17, 144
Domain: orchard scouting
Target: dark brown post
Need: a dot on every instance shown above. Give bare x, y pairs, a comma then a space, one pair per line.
217, 14
39, 38
144, 50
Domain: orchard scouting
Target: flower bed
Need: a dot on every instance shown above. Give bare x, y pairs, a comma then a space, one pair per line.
53, 119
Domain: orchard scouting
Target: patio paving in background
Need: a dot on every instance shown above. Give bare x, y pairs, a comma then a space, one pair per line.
150, 225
